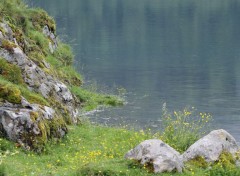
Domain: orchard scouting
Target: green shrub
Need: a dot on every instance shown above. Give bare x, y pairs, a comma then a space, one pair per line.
182, 128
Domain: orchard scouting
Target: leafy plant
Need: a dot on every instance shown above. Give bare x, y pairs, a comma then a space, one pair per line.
182, 128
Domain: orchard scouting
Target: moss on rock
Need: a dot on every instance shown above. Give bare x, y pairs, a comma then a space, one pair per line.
11, 94
10, 72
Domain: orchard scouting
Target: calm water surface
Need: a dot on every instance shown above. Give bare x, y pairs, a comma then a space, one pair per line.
182, 52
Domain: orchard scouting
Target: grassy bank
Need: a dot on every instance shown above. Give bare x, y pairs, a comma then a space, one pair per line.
97, 150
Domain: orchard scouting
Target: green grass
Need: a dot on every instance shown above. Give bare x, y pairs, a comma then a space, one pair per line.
94, 150
63, 72
10, 72
13, 92
91, 100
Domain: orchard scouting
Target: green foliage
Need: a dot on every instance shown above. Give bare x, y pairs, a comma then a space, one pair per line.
8, 45
5, 145
40, 18
91, 100
64, 54
9, 93
181, 129
225, 166
11, 9
66, 74
2, 170
40, 40
198, 162
10, 72
13, 92
38, 58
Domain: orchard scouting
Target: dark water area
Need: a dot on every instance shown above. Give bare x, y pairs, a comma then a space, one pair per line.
182, 52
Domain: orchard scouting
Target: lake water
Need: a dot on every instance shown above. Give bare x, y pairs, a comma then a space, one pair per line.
182, 52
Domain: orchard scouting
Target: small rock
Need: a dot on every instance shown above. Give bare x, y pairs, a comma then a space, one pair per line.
211, 146
155, 152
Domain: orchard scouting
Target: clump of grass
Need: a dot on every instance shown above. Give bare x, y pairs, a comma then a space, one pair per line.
2, 170
8, 45
9, 93
65, 73
10, 72
225, 166
40, 18
182, 128
40, 40
199, 161
64, 54
13, 92
91, 100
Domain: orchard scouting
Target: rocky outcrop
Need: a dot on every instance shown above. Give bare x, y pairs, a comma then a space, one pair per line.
34, 76
158, 155
53, 44
30, 125
211, 146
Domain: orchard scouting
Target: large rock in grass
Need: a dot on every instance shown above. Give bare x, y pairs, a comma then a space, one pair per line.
211, 146
155, 153
30, 125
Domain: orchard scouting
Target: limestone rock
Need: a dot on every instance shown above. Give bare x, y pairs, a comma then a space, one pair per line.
211, 146
7, 30
54, 43
28, 124
36, 78
155, 152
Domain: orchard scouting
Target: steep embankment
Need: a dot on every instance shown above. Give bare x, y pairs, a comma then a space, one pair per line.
39, 89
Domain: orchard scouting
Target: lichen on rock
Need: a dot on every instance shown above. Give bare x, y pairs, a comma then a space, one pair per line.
30, 125
211, 146
158, 155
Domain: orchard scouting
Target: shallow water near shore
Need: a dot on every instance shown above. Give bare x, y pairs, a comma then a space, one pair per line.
182, 52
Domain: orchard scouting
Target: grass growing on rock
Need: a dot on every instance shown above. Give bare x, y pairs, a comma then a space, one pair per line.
13, 92
91, 100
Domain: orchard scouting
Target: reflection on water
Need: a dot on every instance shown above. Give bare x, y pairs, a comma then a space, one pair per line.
183, 52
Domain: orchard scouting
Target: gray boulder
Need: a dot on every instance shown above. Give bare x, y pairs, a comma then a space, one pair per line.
156, 153
211, 146
30, 125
